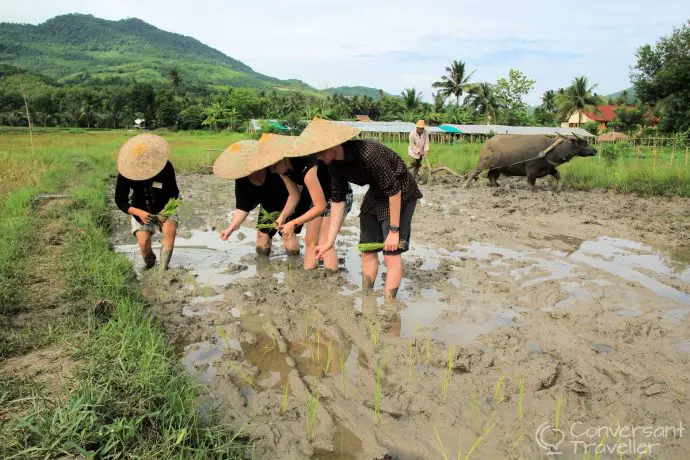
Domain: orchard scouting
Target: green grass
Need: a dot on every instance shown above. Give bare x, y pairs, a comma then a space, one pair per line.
131, 394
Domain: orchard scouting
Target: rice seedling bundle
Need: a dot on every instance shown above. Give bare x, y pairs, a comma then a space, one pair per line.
372, 247
171, 207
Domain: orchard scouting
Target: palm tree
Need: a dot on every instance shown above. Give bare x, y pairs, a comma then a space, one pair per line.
411, 98
439, 101
548, 101
576, 98
485, 101
175, 80
456, 82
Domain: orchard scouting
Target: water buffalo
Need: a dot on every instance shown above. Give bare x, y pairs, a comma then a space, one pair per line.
518, 155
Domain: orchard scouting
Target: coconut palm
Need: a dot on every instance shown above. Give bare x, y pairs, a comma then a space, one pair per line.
439, 101
456, 82
576, 98
548, 101
411, 98
215, 114
485, 101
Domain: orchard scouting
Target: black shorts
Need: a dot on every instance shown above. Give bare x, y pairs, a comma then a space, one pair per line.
373, 231
302, 206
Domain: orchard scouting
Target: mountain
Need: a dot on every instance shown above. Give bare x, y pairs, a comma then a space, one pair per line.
632, 96
75, 48
355, 91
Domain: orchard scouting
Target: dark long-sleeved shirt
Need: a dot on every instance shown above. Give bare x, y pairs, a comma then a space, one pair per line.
150, 195
371, 163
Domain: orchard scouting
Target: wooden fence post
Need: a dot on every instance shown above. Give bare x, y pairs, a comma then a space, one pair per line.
654, 162
686, 155
673, 151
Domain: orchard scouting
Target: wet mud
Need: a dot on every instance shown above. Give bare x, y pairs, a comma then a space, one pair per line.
511, 302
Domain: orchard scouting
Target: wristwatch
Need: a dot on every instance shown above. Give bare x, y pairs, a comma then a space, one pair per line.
394, 228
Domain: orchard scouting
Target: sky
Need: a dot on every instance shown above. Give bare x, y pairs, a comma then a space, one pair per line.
401, 44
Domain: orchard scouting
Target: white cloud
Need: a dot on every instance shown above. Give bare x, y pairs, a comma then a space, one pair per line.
398, 44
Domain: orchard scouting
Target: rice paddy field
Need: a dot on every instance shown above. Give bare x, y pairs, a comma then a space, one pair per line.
517, 308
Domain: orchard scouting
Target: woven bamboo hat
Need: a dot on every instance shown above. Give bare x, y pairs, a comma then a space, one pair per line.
420, 124
245, 157
143, 156
321, 135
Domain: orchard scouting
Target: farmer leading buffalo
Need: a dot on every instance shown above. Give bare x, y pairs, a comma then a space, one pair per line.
530, 156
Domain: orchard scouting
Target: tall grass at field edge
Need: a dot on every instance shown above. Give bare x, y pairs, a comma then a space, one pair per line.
132, 398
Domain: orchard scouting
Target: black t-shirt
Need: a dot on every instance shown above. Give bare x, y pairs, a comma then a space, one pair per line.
271, 195
150, 195
302, 165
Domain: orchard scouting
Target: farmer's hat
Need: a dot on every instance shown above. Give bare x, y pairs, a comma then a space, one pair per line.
321, 135
245, 157
420, 124
143, 156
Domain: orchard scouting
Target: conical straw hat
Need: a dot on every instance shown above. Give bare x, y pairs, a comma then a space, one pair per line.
143, 156
321, 135
245, 157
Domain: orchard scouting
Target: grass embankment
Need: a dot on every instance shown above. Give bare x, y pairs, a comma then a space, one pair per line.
625, 171
128, 395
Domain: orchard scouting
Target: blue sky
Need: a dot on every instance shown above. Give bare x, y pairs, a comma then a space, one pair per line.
401, 44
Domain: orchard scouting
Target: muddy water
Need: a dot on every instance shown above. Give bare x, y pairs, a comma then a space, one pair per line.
595, 317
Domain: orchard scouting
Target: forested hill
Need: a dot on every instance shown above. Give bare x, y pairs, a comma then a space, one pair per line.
76, 48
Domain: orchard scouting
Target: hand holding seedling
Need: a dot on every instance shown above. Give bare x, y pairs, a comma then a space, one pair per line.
288, 229
144, 216
391, 243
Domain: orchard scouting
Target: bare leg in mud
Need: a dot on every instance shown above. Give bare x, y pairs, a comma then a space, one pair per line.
144, 239
291, 245
393, 275
370, 268
330, 257
263, 244
168, 242
310, 242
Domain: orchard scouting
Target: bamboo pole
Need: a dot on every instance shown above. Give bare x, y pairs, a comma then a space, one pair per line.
654, 163
686, 155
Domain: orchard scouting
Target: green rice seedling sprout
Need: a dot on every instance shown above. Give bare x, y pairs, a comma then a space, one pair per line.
442, 448
374, 331
428, 347
312, 408
411, 361
620, 451
328, 359
318, 345
206, 291
497, 391
171, 207
449, 372
342, 370
480, 439
284, 399
558, 411
377, 393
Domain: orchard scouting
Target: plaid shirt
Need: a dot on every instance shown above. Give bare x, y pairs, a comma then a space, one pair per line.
370, 163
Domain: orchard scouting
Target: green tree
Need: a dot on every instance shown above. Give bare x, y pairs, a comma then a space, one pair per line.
456, 82
215, 115
439, 101
411, 99
576, 98
661, 77
485, 101
548, 101
175, 80
627, 119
